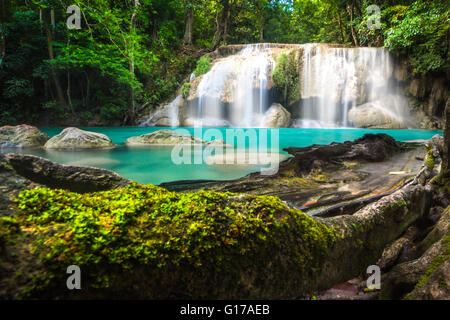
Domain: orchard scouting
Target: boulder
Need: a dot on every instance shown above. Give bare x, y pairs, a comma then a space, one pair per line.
276, 117
373, 115
73, 178
22, 136
171, 138
164, 137
74, 138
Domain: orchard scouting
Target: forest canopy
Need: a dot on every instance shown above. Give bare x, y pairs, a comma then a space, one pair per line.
134, 54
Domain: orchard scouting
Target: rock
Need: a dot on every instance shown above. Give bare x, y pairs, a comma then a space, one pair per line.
417, 88
171, 138
276, 117
164, 137
73, 178
373, 115
206, 122
371, 147
169, 115
10, 185
401, 71
22, 136
428, 276
74, 138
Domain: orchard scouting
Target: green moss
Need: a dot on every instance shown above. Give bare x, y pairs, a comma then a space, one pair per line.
186, 89
286, 77
105, 232
430, 161
203, 66
437, 262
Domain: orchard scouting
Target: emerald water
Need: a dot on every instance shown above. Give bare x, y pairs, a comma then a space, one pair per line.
154, 164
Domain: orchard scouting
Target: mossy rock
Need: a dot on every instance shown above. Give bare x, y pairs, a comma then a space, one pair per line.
74, 138
147, 242
22, 136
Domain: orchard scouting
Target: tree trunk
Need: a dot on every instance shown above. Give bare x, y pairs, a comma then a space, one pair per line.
3, 33
188, 25
131, 115
341, 33
59, 91
350, 9
222, 25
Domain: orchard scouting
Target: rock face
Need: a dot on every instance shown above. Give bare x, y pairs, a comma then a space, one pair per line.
74, 138
22, 136
73, 178
276, 117
372, 115
170, 115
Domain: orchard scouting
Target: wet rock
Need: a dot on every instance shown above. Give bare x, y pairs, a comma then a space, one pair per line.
10, 185
426, 277
170, 115
74, 138
73, 178
276, 117
170, 138
164, 137
373, 115
372, 148
22, 136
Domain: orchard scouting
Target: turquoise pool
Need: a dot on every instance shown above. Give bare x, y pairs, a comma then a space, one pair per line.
154, 164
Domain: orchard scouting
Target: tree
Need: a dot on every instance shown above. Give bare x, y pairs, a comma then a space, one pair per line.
188, 21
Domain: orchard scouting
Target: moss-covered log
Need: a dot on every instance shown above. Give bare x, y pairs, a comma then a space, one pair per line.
147, 242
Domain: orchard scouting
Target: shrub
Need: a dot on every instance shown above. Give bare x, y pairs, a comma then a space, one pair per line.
203, 66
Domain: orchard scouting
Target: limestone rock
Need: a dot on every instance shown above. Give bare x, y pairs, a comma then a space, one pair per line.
164, 137
276, 117
73, 178
169, 115
74, 138
372, 115
22, 136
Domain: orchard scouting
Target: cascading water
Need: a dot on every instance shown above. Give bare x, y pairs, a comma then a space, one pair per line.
241, 81
339, 87
336, 80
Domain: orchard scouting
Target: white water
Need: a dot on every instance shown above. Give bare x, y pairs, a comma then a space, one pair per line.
335, 80
242, 82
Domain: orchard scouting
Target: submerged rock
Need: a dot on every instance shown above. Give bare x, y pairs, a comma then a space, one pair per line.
74, 138
276, 117
372, 115
170, 138
73, 178
22, 136
164, 137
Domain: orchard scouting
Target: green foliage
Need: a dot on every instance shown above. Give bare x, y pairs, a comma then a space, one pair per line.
421, 30
203, 66
286, 77
186, 88
148, 225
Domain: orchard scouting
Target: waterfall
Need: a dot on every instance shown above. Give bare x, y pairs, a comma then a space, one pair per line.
339, 87
241, 81
336, 80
